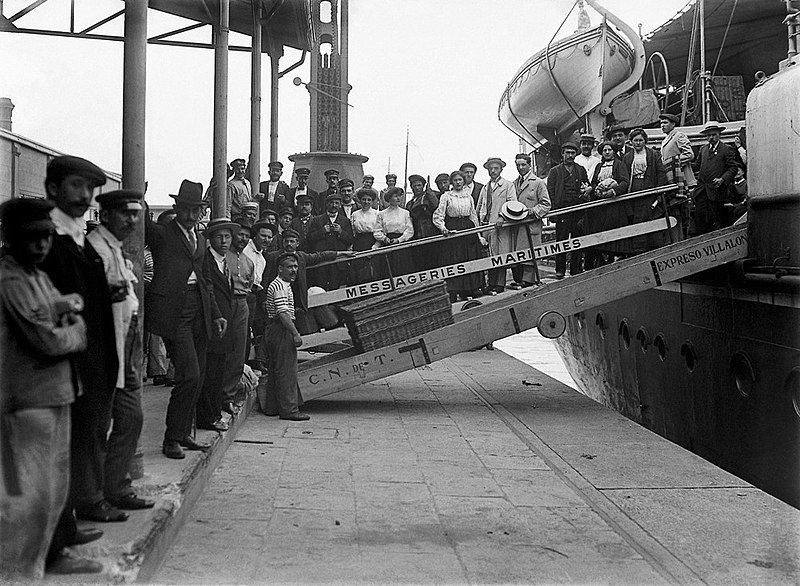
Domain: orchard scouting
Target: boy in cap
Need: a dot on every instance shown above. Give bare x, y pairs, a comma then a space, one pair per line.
275, 191
285, 218
493, 195
442, 182
239, 190
39, 330
119, 214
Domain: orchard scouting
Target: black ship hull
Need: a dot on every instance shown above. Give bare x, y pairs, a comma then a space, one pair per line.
711, 366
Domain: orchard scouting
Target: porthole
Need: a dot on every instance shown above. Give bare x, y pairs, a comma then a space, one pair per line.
600, 322
744, 376
689, 356
625, 334
644, 339
661, 345
792, 387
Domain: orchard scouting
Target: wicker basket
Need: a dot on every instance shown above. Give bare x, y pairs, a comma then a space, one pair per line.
398, 315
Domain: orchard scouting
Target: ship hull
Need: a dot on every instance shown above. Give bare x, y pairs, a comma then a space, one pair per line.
713, 368
533, 105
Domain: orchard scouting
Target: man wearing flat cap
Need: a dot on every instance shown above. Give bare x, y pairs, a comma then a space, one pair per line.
717, 167
676, 152
367, 181
74, 266
239, 190
302, 189
181, 308
346, 190
493, 195
276, 192
469, 170
39, 331
332, 179
120, 212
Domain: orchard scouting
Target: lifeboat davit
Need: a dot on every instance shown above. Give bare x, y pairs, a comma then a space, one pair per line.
568, 79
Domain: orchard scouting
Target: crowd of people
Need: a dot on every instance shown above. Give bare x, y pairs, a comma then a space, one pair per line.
235, 290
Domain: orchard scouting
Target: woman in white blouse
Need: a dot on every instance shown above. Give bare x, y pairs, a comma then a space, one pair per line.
365, 222
394, 227
456, 211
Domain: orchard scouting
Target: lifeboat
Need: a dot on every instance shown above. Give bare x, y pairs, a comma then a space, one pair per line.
570, 78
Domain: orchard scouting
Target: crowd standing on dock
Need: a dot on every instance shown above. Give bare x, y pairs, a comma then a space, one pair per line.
231, 295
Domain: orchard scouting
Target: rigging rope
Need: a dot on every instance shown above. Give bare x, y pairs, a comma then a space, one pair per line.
690, 64
550, 67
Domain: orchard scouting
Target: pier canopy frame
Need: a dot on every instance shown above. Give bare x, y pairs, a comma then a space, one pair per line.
285, 22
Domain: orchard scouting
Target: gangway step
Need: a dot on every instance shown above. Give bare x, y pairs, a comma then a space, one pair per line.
546, 306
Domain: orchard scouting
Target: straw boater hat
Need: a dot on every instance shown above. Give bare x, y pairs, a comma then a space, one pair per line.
514, 211
250, 205
221, 224
713, 125
190, 193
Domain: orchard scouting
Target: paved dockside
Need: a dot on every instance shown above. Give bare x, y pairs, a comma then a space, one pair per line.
476, 469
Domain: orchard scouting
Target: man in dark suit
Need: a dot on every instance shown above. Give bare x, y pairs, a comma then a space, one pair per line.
616, 135
181, 308
568, 185
74, 266
469, 169
302, 219
275, 192
717, 166
302, 174
330, 231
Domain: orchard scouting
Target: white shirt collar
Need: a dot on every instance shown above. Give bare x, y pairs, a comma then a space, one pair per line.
110, 239
66, 225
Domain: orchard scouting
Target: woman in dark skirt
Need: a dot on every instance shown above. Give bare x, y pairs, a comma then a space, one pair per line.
456, 211
364, 222
421, 206
646, 171
394, 227
609, 180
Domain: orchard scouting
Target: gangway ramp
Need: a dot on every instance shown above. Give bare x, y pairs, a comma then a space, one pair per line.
545, 307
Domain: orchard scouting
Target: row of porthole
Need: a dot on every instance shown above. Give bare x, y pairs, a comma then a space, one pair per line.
643, 337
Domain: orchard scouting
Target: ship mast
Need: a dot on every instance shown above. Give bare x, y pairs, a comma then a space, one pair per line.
705, 81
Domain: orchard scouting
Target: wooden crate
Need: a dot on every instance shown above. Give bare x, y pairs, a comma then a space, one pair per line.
398, 315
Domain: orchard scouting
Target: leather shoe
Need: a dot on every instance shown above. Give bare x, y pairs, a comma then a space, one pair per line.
172, 449
131, 502
67, 565
101, 512
296, 417
85, 536
190, 444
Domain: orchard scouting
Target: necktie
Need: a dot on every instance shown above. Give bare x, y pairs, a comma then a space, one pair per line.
192, 240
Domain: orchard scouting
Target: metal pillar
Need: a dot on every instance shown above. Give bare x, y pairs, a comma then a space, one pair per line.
275, 52
705, 76
254, 165
221, 30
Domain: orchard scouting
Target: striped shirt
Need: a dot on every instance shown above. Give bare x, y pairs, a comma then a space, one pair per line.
280, 299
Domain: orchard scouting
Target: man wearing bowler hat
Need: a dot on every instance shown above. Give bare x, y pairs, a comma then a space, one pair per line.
717, 167
275, 191
120, 212
74, 266
676, 151
493, 195
181, 308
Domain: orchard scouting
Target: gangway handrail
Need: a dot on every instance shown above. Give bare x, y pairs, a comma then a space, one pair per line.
486, 227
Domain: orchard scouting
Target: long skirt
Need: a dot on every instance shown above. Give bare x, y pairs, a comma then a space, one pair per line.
402, 262
458, 250
361, 269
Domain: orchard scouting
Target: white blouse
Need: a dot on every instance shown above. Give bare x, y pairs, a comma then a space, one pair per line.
364, 221
455, 204
393, 221
639, 165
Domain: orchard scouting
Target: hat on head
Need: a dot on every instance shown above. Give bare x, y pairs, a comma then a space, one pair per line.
603, 144
472, 166
514, 211
523, 156
302, 197
588, 138
366, 191
275, 165
394, 191
712, 126
302, 171
442, 177
671, 117
266, 212
346, 183
262, 224
221, 224
64, 165
331, 173
243, 223
286, 212
165, 216
121, 199
492, 160
570, 145
390, 176
21, 216
242, 161
614, 128
290, 232
189, 193
331, 196
250, 205
413, 178
368, 177
284, 255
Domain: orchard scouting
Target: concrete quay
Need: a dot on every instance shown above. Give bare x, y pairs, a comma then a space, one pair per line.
475, 469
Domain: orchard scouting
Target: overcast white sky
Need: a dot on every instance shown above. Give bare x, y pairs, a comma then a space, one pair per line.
438, 66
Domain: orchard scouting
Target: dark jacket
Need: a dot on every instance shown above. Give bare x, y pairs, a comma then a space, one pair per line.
292, 202
421, 211
281, 197
301, 228
712, 165
173, 262
317, 240
556, 180
300, 285
476, 192
223, 295
73, 270
612, 215
655, 176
